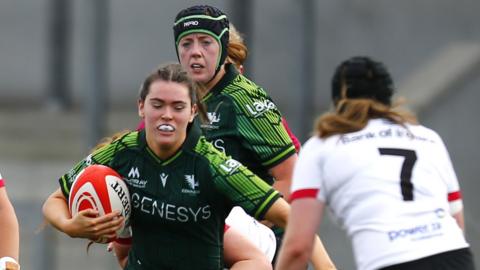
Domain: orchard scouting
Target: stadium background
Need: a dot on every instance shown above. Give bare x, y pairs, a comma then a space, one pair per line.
430, 46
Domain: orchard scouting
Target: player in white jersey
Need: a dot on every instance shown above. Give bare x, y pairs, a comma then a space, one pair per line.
9, 232
387, 180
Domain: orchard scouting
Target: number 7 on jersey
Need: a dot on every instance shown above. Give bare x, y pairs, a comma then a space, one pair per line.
410, 157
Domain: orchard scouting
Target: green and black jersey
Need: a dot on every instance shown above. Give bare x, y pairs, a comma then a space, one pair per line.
179, 205
245, 124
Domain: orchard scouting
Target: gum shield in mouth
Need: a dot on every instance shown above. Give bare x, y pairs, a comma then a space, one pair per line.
166, 127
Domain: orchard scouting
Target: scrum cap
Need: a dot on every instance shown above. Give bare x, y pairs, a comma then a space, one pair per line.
363, 78
204, 19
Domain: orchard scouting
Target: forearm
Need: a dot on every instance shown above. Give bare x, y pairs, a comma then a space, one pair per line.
301, 243
294, 255
292, 259
55, 210
319, 257
9, 232
459, 218
121, 252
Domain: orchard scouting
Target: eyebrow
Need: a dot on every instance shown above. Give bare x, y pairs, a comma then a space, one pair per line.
199, 36
161, 100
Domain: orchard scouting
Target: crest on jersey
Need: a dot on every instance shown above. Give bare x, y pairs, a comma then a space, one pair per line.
213, 121
213, 117
192, 184
191, 181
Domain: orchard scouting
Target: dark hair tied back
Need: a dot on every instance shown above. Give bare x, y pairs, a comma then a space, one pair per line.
362, 77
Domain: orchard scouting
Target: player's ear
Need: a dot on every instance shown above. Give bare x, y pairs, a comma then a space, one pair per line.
194, 112
241, 69
141, 108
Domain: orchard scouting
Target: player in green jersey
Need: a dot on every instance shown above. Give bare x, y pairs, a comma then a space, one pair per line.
257, 233
244, 122
237, 55
181, 187
240, 250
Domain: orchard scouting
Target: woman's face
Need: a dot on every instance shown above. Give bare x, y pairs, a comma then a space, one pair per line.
198, 54
167, 110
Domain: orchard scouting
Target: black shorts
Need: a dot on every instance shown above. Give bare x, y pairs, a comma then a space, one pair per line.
460, 259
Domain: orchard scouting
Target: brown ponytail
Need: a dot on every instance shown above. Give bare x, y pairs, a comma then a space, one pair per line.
352, 115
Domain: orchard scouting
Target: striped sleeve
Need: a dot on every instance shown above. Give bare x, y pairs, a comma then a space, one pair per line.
102, 156
243, 188
66, 181
259, 122
238, 184
2, 183
235, 182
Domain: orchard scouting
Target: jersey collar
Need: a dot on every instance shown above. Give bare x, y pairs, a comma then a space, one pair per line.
193, 135
230, 74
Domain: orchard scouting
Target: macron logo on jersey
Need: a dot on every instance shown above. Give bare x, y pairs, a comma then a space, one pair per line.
134, 173
163, 178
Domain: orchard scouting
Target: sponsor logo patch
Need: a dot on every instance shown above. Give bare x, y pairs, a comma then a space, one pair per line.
192, 185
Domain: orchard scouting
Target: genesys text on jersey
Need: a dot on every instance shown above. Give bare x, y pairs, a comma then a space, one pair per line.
170, 211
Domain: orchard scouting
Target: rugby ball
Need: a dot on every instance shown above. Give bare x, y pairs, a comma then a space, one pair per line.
101, 188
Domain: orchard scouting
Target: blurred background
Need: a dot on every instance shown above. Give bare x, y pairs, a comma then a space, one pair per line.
70, 72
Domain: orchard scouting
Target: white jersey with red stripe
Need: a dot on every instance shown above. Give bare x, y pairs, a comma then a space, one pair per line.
388, 186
